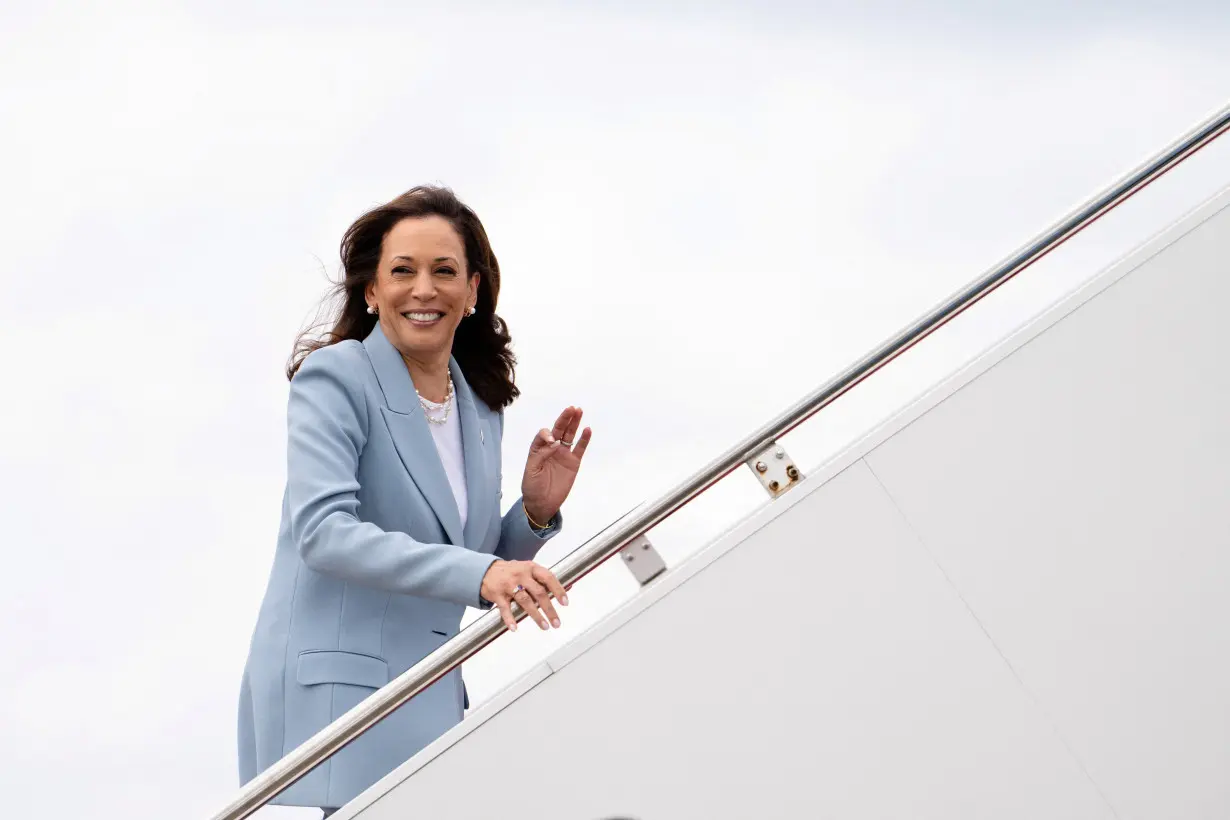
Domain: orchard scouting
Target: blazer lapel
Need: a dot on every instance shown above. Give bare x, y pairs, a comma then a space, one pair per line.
411, 435
473, 447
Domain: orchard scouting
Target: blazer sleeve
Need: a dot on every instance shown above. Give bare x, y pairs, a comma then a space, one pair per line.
518, 540
326, 431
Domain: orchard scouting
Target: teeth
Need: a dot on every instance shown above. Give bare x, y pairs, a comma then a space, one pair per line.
423, 317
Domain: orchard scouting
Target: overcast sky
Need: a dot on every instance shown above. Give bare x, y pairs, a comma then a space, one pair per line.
702, 211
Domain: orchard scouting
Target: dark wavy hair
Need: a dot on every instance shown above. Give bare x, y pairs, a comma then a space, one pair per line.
482, 344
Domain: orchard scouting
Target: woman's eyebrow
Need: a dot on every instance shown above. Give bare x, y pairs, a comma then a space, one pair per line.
437, 259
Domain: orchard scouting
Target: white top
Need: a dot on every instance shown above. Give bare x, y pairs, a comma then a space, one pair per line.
448, 445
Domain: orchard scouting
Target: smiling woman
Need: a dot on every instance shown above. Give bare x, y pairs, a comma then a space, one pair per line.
391, 521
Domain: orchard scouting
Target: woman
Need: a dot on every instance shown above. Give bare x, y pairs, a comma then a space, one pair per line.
391, 521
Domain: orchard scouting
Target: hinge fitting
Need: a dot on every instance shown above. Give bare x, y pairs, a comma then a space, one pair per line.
774, 469
642, 560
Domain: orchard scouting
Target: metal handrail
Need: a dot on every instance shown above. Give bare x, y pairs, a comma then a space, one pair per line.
579, 563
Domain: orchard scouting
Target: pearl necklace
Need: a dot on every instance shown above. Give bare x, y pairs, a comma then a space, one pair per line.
430, 407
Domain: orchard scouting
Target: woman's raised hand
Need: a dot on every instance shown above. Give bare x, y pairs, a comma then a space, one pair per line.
531, 585
555, 457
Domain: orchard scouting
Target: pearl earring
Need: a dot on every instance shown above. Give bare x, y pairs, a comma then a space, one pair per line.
470, 311
371, 309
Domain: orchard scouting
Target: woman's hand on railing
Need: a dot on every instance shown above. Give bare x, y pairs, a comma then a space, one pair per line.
531, 585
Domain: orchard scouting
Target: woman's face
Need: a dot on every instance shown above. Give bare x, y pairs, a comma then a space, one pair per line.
421, 290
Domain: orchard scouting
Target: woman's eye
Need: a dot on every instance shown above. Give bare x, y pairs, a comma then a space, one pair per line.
446, 271
401, 270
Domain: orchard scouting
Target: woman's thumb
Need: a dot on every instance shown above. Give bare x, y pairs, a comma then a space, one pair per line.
543, 441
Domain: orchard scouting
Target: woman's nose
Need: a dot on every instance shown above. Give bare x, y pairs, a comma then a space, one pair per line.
423, 288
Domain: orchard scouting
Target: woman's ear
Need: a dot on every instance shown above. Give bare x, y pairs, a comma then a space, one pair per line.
369, 293
474, 282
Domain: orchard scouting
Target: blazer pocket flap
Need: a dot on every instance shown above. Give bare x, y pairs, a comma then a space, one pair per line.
326, 666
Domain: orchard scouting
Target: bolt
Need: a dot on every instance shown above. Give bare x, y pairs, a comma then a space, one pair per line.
779, 452
761, 467
793, 472
645, 546
773, 485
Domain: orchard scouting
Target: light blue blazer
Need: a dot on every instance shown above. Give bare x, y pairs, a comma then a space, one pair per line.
372, 570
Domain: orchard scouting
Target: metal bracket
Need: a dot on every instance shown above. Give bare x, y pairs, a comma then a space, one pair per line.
774, 469
642, 560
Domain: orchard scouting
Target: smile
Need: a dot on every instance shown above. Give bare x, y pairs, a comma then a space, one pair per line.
423, 317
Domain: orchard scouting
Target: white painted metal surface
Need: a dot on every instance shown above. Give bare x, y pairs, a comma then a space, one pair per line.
1078, 496
1008, 602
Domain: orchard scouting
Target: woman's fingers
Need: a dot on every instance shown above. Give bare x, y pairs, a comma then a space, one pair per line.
579, 450
570, 435
506, 613
563, 433
543, 601
547, 578
531, 586
524, 600
544, 442
560, 430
